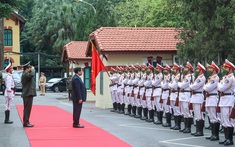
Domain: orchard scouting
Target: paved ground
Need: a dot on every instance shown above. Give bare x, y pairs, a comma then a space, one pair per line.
136, 132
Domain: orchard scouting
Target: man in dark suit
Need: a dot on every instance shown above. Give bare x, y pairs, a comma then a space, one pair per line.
79, 95
28, 92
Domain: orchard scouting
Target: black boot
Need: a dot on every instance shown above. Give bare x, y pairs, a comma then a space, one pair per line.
114, 107
189, 123
7, 116
212, 131
197, 128
151, 116
178, 126
145, 114
168, 120
118, 107
133, 111
185, 125
122, 108
139, 111
225, 136
229, 141
216, 132
128, 110
200, 128
175, 120
159, 118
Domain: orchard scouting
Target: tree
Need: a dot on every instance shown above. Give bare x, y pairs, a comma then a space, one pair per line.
210, 30
6, 8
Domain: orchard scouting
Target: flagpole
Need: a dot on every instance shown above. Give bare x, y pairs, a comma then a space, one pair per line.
104, 66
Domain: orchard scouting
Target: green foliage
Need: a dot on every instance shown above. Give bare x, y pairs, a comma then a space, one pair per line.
210, 30
8, 6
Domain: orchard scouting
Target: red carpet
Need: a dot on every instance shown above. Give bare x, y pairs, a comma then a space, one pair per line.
53, 128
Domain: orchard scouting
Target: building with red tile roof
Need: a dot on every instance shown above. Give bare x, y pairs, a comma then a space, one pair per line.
119, 46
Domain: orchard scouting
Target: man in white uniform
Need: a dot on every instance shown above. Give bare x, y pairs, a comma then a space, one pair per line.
157, 92
197, 98
176, 76
142, 92
120, 91
226, 87
166, 94
9, 93
136, 90
211, 89
184, 97
113, 88
148, 93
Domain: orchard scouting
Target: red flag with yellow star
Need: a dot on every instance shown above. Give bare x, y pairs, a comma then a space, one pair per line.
96, 66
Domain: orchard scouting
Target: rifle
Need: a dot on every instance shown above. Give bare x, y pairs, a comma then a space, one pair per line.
217, 107
124, 93
203, 109
144, 97
168, 99
138, 96
132, 92
190, 104
178, 89
232, 115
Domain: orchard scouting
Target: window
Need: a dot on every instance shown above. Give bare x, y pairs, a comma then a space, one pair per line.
101, 83
7, 37
87, 77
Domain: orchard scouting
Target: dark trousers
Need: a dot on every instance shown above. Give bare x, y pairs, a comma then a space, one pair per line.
28, 102
77, 108
69, 93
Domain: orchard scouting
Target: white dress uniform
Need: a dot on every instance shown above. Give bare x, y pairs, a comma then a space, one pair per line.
226, 86
136, 89
120, 89
165, 93
9, 91
157, 90
212, 100
113, 89
130, 83
142, 90
174, 94
197, 97
148, 92
126, 88
184, 96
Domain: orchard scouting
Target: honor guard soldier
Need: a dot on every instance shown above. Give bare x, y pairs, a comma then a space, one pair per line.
113, 88
120, 91
197, 98
211, 89
131, 91
118, 74
184, 97
176, 76
226, 87
157, 92
148, 93
127, 89
136, 90
166, 94
142, 91
9, 93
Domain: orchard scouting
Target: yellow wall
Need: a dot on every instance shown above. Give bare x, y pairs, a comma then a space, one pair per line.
104, 101
15, 39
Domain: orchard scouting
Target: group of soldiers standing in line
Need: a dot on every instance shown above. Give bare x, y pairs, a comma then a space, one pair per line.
181, 91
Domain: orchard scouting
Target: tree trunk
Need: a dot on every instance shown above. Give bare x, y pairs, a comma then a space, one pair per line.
1, 43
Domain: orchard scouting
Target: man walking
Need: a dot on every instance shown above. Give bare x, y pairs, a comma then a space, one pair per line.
79, 95
28, 92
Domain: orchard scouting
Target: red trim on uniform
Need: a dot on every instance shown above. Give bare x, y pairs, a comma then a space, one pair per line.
8, 90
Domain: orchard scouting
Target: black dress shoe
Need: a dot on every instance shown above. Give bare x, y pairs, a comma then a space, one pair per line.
78, 126
28, 125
